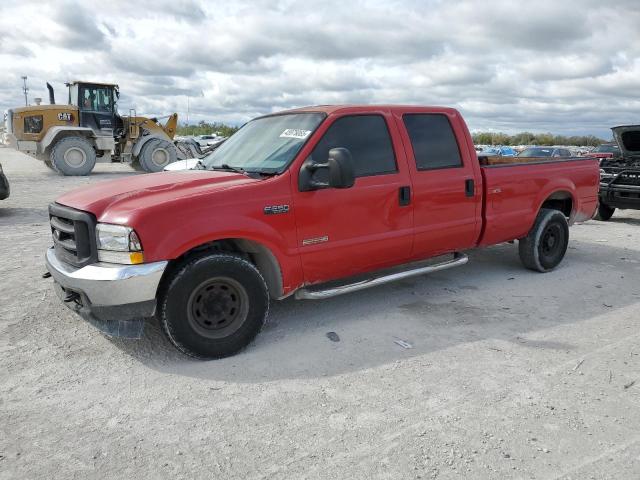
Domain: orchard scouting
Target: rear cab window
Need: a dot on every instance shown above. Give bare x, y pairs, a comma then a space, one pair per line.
433, 141
366, 137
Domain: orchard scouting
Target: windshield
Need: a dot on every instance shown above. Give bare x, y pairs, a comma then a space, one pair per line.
606, 149
267, 144
536, 152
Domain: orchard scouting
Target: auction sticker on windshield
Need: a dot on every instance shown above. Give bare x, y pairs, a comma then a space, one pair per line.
295, 133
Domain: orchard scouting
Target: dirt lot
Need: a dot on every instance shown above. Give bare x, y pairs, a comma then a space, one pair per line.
512, 374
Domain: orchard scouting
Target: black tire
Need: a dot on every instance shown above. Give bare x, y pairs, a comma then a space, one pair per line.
73, 156
604, 212
157, 154
50, 165
213, 305
546, 244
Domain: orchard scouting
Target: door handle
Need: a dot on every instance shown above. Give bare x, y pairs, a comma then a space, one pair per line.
469, 187
405, 196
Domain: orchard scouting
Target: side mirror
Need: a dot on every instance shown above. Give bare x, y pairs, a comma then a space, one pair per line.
341, 173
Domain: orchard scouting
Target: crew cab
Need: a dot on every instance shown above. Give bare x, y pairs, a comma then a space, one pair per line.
620, 175
313, 202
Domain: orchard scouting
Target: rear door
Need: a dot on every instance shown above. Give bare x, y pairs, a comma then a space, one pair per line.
447, 195
342, 232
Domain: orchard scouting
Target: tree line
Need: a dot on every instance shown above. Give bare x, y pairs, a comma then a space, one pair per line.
528, 138
479, 138
206, 128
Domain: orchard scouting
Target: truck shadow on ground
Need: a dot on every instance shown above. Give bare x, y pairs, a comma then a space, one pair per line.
625, 220
23, 216
492, 298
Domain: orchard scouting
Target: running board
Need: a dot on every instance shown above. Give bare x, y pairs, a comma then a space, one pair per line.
459, 259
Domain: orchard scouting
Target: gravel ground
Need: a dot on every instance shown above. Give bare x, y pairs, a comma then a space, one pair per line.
511, 374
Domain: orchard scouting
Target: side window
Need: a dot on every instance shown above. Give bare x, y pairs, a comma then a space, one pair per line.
366, 137
96, 99
433, 141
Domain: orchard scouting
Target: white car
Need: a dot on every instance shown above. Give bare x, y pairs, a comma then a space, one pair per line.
187, 164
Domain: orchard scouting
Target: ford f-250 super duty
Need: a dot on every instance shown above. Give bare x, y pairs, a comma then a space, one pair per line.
314, 202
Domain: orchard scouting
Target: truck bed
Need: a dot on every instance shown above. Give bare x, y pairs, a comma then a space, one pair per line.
514, 192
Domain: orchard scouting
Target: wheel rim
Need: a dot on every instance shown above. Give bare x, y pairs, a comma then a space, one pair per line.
75, 157
551, 243
217, 307
160, 157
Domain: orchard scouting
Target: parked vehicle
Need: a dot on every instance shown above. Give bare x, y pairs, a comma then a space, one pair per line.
545, 152
503, 151
604, 151
5, 190
620, 175
209, 140
71, 139
313, 202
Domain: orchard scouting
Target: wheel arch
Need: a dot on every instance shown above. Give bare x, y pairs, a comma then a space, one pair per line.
257, 253
55, 134
562, 200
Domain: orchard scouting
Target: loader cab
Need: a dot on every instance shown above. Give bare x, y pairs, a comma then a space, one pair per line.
96, 104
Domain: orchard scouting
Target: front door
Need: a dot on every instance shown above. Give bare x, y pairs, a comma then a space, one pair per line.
369, 226
96, 105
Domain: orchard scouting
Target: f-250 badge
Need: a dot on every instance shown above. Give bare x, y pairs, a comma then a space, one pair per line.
276, 209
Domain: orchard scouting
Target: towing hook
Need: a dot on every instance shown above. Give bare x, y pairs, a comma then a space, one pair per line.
46, 275
70, 297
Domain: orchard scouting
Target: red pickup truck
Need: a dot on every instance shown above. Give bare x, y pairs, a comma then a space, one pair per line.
315, 202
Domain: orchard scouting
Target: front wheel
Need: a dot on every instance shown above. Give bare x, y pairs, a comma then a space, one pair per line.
213, 305
546, 244
604, 212
73, 156
157, 154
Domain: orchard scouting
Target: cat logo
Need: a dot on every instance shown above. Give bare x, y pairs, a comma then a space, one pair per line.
65, 116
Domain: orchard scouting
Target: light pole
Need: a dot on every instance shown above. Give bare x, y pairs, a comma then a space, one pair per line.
25, 89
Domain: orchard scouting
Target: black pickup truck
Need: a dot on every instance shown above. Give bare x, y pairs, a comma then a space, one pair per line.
620, 176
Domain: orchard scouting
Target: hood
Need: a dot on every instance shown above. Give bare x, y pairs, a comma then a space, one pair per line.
628, 138
114, 201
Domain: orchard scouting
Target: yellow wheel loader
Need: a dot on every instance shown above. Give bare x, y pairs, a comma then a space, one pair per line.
71, 138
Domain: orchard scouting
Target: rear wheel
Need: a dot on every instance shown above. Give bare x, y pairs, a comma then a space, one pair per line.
157, 154
546, 244
50, 165
604, 212
73, 156
213, 306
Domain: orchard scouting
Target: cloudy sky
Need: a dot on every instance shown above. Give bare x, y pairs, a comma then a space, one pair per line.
562, 66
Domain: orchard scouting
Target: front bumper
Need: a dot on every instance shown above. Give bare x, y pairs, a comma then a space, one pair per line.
621, 196
114, 298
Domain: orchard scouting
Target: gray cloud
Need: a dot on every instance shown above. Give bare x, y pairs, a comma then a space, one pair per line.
561, 66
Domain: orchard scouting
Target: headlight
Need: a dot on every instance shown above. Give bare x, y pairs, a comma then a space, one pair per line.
118, 244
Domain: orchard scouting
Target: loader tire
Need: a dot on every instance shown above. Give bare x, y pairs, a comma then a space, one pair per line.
604, 212
544, 247
73, 156
157, 154
213, 305
50, 165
